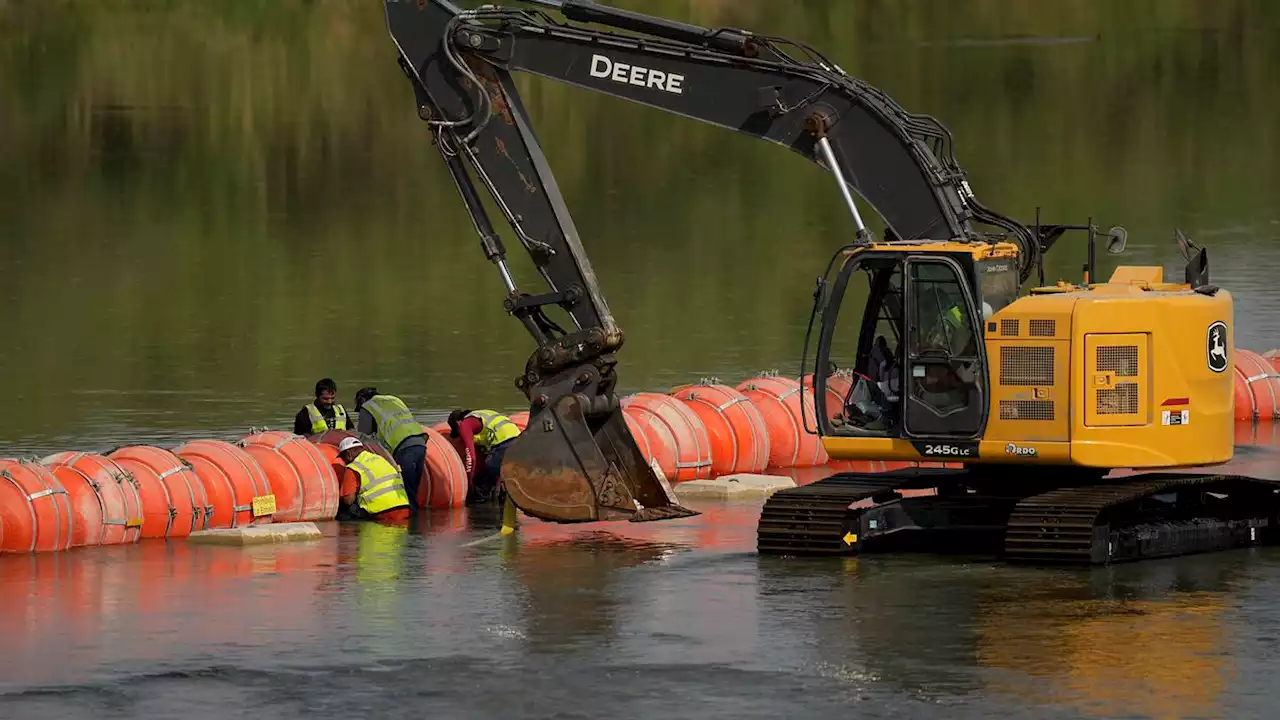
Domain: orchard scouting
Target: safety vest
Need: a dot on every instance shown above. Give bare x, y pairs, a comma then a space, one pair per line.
954, 317
497, 428
381, 487
320, 424
395, 422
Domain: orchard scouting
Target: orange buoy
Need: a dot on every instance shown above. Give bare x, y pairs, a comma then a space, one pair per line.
327, 444
116, 493
779, 399
1257, 387
86, 506
521, 420
34, 509
738, 436
654, 438
441, 427
445, 485
231, 479
330, 454
838, 387
174, 502
1273, 357
302, 480
692, 444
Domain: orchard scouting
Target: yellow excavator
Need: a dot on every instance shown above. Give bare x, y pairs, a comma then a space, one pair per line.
1090, 423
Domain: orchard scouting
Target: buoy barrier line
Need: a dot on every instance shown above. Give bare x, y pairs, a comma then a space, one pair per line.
44, 523
232, 481
87, 507
1256, 386
692, 444
157, 505
736, 432
115, 491
781, 402
656, 442
319, 498
1272, 356
161, 474
132, 497
445, 483
282, 476
200, 513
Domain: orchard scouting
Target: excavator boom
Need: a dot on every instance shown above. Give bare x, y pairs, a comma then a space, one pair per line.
577, 461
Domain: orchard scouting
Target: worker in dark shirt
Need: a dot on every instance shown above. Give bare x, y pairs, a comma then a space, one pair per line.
323, 414
491, 433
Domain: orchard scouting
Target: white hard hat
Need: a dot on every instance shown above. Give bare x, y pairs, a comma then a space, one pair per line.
349, 443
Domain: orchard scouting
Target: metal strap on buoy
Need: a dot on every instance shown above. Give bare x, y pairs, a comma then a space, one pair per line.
97, 493
30, 509
122, 477
48, 491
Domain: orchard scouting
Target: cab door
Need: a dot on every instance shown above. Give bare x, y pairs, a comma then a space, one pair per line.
945, 384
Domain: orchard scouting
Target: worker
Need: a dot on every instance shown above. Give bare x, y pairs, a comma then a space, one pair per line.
323, 414
387, 418
371, 488
492, 434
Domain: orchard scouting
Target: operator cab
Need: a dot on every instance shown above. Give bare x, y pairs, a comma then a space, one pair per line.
904, 326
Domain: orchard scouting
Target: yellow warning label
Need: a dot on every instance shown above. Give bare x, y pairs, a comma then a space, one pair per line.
264, 505
850, 538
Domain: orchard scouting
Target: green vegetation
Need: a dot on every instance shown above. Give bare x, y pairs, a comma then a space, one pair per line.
223, 201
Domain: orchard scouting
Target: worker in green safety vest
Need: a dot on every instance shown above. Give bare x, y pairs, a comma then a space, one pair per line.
323, 414
387, 418
491, 433
371, 487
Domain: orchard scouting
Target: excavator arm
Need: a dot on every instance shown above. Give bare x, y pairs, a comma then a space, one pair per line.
576, 461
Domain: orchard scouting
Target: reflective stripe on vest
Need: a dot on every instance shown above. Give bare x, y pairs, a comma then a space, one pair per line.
497, 428
381, 487
319, 423
395, 422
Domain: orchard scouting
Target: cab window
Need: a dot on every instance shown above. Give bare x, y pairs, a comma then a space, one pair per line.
997, 284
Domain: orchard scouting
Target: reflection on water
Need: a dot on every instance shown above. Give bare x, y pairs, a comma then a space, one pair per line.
1151, 641
651, 612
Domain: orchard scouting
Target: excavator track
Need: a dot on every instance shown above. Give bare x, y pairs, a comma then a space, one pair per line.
1069, 525
815, 519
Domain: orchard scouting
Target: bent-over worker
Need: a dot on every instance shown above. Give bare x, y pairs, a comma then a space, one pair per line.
387, 418
323, 414
371, 488
491, 432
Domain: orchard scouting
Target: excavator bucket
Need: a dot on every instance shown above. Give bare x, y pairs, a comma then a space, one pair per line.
571, 465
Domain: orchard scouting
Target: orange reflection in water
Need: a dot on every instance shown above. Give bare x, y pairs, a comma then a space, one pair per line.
62, 614
1135, 658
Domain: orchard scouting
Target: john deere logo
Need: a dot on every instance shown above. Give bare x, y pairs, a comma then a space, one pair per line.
1216, 347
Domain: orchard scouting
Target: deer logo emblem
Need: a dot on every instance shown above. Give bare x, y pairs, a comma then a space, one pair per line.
1217, 346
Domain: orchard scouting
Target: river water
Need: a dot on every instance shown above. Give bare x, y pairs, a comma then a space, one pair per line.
205, 207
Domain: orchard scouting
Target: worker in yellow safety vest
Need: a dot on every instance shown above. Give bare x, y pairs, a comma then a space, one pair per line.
387, 418
371, 488
491, 433
323, 414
